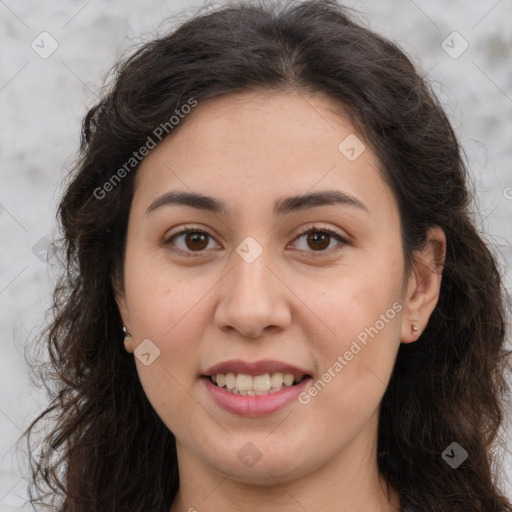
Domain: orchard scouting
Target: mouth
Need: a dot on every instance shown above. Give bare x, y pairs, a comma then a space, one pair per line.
257, 388
255, 385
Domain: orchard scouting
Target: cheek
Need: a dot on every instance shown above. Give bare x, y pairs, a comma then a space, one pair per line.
171, 324
161, 296
164, 308
359, 298
362, 308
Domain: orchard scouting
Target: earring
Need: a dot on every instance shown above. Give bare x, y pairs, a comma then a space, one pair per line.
127, 340
414, 328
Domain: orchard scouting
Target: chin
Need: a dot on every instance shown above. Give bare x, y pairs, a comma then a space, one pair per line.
254, 460
266, 473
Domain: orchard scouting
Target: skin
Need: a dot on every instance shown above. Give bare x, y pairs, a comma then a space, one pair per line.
249, 150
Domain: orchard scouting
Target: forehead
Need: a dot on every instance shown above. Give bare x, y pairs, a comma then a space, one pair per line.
261, 144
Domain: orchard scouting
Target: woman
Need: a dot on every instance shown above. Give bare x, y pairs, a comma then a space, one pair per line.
275, 296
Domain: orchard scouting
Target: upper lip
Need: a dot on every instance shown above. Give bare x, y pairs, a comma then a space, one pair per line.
255, 368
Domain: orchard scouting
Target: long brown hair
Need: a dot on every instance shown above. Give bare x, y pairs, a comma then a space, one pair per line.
112, 451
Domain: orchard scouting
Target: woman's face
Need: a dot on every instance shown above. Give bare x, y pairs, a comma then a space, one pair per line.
254, 299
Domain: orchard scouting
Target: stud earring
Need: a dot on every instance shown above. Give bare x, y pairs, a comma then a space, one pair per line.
414, 328
127, 340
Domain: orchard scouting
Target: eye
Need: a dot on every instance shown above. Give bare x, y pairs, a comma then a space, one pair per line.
319, 239
192, 241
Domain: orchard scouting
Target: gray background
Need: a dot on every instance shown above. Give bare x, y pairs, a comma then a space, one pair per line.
42, 101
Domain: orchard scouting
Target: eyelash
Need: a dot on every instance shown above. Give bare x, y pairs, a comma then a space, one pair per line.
305, 231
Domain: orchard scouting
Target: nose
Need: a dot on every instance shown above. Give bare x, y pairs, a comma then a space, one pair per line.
253, 298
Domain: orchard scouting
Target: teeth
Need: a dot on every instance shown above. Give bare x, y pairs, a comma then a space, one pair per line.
242, 384
262, 382
230, 380
276, 380
288, 379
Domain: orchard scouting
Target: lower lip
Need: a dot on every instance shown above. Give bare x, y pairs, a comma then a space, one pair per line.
258, 405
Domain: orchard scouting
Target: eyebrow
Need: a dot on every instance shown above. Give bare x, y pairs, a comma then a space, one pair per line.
281, 207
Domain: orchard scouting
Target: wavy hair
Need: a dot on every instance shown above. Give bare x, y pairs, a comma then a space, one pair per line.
448, 386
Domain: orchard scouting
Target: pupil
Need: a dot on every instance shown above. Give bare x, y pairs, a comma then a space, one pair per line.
196, 238
313, 237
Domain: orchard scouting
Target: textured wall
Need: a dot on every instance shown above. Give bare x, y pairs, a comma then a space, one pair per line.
43, 97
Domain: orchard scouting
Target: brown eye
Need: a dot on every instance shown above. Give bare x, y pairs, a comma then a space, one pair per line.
196, 241
318, 240
189, 241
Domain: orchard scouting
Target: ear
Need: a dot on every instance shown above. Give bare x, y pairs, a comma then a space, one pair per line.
423, 285
120, 298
